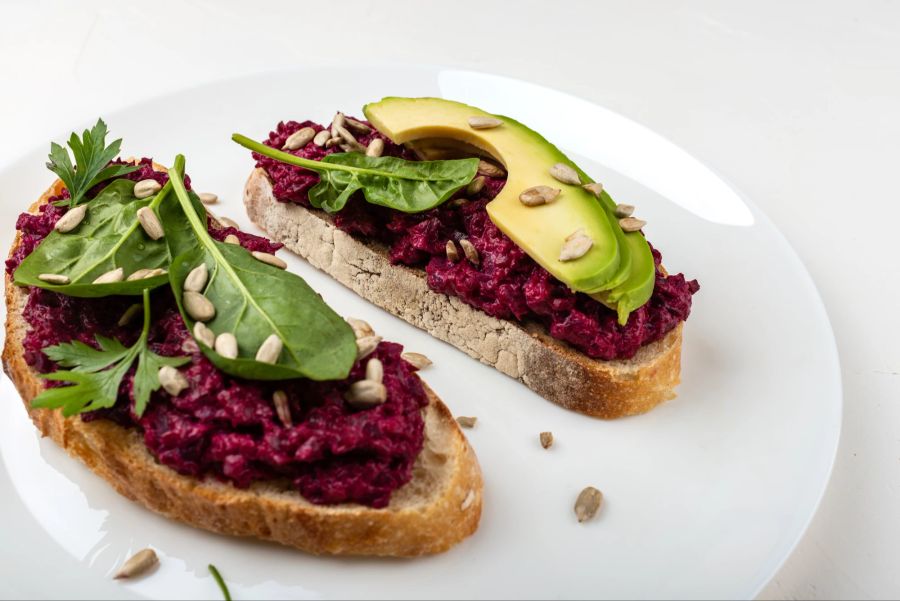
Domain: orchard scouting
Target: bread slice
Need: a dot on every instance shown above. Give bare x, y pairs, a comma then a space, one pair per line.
550, 367
437, 509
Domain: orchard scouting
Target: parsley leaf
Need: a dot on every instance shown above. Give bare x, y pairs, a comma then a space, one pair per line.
92, 157
96, 375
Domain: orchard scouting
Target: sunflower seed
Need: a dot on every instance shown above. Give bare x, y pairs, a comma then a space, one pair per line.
280, 399
172, 380
576, 246
232, 239
375, 370
594, 188
366, 393
358, 127
146, 188
452, 253
481, 122
150, 222
565, 174
54, 278
321, 137
71, 219
198, 306
546, 439
269, 259
417, 360
334, 141
475, 186
470, 251
204, 334
270, 349
140, 274
111, 277
344, 134
466, 422
632, 224
208, 198
588, 503
227, 222
299, 138
467, 502
375, 148
360, 328
353, 147
226, 345
129, 314
338, 121
490, 169
196, 279
458, 202
366, 345
139, 563
623, 210
538, 195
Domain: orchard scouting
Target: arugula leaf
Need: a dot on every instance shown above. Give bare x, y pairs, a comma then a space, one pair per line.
92, 157
254, 300
97, 374
408, 186
109, 237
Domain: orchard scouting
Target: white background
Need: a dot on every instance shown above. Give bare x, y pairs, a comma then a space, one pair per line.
797, 105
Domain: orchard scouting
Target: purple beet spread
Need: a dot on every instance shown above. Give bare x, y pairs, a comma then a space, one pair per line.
227, 427
507, 284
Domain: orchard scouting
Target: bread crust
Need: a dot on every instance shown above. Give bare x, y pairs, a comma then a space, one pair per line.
550, 367
440, 507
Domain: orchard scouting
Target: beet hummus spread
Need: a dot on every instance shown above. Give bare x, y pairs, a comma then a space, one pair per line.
227, 427
507, 283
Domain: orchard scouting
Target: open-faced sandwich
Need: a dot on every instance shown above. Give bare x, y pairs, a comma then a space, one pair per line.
177, 358
478, 230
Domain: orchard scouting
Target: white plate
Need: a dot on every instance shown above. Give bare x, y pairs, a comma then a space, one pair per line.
705, 496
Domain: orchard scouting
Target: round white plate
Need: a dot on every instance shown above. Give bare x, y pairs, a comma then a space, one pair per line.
705, 496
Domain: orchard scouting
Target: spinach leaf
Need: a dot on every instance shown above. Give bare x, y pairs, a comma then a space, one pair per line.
254, 300
92, 157
109, 237
408, 186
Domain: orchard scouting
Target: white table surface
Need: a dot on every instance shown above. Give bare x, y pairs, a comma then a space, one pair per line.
797, 105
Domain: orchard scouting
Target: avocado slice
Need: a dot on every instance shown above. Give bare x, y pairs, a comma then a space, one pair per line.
438, 128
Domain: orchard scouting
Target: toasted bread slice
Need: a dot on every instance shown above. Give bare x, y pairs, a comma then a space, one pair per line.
550, 367
437, 509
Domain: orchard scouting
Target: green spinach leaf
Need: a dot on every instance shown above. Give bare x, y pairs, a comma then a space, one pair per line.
408, 186
109, 237
254, 300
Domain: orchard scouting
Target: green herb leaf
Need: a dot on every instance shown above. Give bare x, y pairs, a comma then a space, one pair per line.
97, 374
92, 157
254, 300
220, 581
408, 186
109, 237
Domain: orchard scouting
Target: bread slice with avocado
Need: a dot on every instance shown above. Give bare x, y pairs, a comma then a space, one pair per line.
438, 508
568, 226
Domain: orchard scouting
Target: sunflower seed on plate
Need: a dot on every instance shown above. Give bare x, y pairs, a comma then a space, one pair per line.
71, 219
299, 138
146, 188
358, 127
475, 186
490, 169
196, 279
361, 328
334, 141
337, 121
374, 370
546, 439
152, 273
270, 349
452, 253
282, 408
466, 422
417, 360
111, 277
322, 137
375, 147
353, 147
623, 210
269, 259
140, 274
172, 380
470, 251
139, 563
208, 198
632, 224
228, 222
204, 334
366, 345
588, 503
365, 394
565, 174
226, 345
575, 246
129, 314
594, 188
198, 306
54, 278
482, 122
538, 195
150, 222
232, 239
